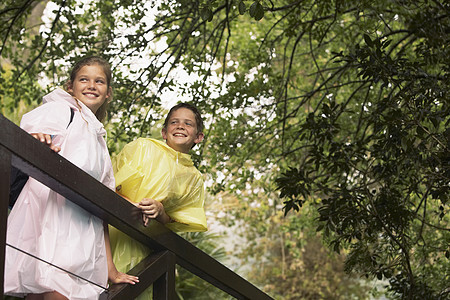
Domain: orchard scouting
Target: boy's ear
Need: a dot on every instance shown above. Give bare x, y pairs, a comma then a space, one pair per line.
164, 133
200, 137
109, 94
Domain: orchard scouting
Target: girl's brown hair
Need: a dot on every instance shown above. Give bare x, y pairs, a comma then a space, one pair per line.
89, 61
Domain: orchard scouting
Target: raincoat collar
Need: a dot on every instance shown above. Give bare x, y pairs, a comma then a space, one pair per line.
59, 95
181, 158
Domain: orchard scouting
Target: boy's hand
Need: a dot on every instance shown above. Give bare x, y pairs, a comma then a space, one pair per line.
46, 139
152, 209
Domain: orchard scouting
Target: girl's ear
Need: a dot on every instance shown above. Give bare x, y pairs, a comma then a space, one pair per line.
69, 87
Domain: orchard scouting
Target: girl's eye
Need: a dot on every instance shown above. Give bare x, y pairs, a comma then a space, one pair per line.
189, 124
83, 79
100, 81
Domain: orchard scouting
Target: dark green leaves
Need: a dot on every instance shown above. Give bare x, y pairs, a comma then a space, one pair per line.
293, 185
206, 14
368, 40
375, 159
242, 7
256, 11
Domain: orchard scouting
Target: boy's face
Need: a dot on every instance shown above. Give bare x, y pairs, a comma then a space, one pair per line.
181, 132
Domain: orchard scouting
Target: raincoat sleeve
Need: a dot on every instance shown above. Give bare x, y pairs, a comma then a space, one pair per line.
190, 216
50, 118
127, 171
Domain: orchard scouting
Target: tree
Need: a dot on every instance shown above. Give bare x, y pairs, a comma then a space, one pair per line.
373, 143
286, 256
380, 163
342, 103
16, 101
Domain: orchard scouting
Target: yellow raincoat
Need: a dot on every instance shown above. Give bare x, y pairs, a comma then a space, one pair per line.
148, 168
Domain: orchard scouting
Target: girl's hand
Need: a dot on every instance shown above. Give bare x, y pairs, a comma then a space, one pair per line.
46, 139
120, 277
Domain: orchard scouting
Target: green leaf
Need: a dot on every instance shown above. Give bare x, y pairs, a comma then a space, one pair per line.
367, 39
252, 9
386, 44
404, 143
259, 12
242, 7
206, 14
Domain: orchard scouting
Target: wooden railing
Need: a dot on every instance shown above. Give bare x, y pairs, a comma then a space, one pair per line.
19, 149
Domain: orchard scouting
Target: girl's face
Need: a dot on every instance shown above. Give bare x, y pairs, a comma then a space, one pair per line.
90, 86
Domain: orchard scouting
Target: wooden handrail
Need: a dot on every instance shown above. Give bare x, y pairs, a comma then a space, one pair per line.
21, 150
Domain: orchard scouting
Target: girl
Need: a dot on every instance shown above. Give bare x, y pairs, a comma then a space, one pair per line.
50, 227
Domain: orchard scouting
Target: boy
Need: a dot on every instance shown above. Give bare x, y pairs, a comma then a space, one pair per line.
161, 179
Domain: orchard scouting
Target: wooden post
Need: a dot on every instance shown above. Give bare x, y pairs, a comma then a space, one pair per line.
164, 286
5, 169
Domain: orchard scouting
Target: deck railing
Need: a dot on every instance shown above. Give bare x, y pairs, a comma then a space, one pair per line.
21, 150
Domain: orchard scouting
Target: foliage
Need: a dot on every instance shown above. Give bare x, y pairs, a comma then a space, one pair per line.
343, 104
192, 287
286, 257
380, 163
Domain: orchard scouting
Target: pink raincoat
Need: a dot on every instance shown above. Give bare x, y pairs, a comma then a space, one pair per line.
51, 227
